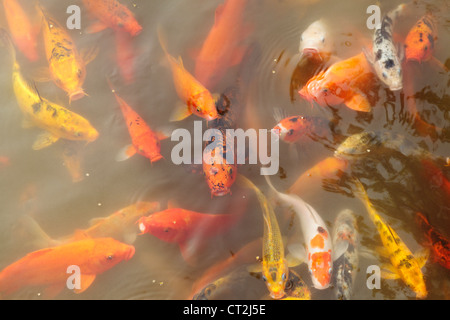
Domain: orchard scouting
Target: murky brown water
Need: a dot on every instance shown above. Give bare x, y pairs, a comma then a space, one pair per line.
37, 184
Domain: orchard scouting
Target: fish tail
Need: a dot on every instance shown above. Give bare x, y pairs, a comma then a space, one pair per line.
5, 38
362, 195
162, 41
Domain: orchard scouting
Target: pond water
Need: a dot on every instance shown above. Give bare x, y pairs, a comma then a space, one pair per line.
38, 184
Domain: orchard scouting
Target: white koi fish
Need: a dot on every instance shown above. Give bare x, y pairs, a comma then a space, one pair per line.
384, 56
319, 252
315, 39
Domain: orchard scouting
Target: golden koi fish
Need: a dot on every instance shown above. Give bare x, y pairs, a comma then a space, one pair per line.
57, 121
275, 271
404, 265
67, 65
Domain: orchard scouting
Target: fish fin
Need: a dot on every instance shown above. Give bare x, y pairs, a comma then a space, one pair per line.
369, 55
39, 253
44, 140
86, 281
164, 134
389, 272
94, 221
180, 62
89, 55
52, 291
359, 102
422, 256
80, 235
400, 51
340, 249
126, 153
297, 250
293, 261
96, 27
41, 74
181, 112
434, 61
29, 228
255, 268
367, 254
188, 252
279, 114
27, 123
382, 252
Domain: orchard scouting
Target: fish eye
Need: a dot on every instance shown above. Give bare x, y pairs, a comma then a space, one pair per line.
301, 38
110, 257
323, 39
230, 171
330, 270
290, 132
264, 278
283, 276
288, 285
384, 74
166, 230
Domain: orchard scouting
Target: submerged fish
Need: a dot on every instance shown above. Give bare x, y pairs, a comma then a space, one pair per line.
189, 229
197, 99
47, 268
144, 140
357, 144
343, 82
112, 14
275, 271
57, 121
315, 39
296, 288
319, 252
301, 128
125, 56
384, 57
403, 264
22, 30
439, 245
223, 47
346, 266
66, 65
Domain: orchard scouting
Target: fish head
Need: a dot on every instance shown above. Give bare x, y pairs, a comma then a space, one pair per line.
290, 129
315, 39
86, 133
167, 225
390, 72
204, 106
220, 175
108, 252
321, 268
275, 274
131, 26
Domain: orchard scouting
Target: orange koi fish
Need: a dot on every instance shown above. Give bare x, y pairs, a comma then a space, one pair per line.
329, 168
47, 268
421, 39
66, 65
300, 128
439, 245
23, 32
144, 141
223, 46
342, 82
112, 14
186, 228
196, 97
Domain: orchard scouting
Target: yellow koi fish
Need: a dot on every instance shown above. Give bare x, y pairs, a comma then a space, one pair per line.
57, 121
67, 65
404, 265
275, 271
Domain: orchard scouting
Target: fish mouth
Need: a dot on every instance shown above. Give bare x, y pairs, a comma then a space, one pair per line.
221, 193
277, 295
310, 51
156, 158
396, 87
76, 95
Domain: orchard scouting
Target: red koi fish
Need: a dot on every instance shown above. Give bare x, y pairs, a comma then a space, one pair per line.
421, 39
186, 228
223, 46
300, 128
112, 14
144, 141
23, 32
436, 176
125, 56
439, 245
342, 82
47, 268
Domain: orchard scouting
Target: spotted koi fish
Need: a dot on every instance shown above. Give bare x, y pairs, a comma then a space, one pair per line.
439, 245
275, 270
319, 249
67, 65
404, 265
57, 121
346, 266
384, 56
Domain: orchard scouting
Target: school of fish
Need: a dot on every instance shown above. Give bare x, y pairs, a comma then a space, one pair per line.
314, 255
